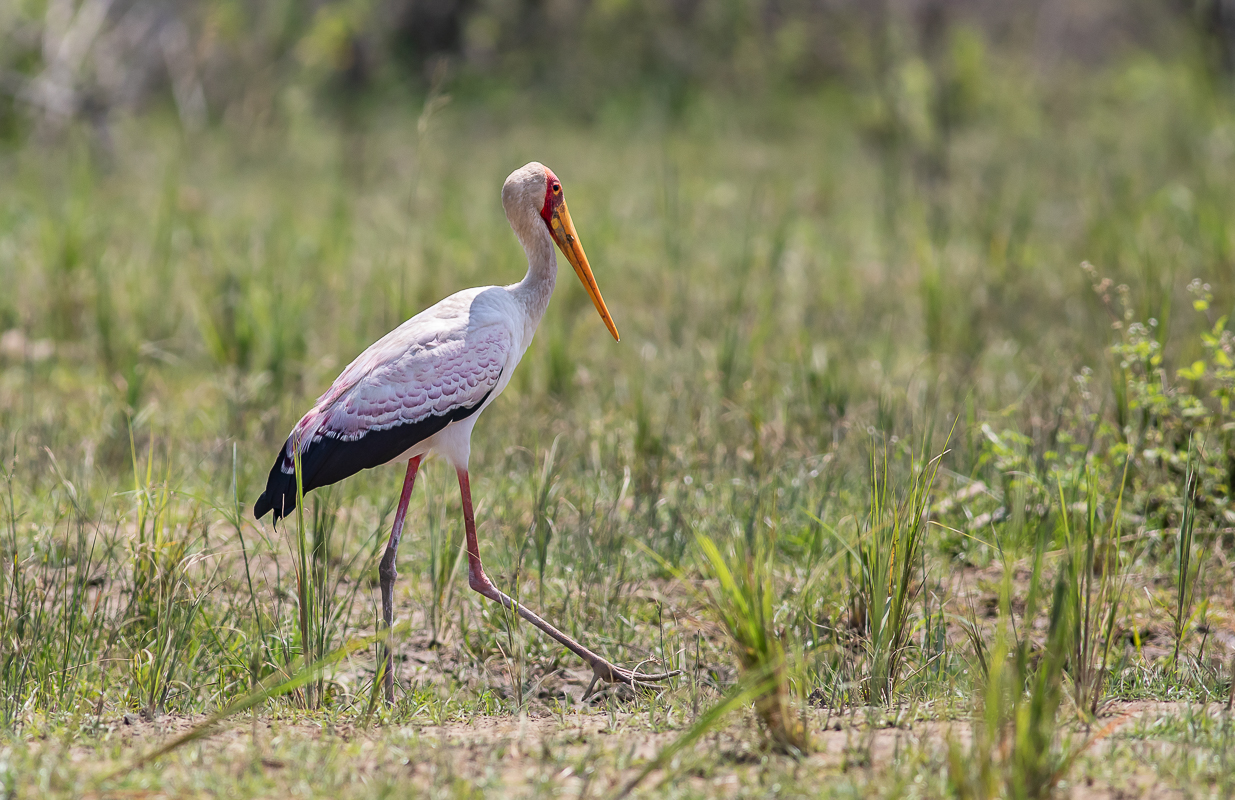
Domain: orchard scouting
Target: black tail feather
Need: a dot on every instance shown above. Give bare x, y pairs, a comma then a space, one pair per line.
280, 494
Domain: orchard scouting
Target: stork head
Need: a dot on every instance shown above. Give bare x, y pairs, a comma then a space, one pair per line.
533, 195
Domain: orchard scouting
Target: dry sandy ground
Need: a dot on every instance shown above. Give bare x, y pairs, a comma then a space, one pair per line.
539, 754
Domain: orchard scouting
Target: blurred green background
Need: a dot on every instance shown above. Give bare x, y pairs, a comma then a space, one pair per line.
825, 214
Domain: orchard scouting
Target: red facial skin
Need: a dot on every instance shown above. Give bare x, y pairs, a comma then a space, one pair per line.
553, 195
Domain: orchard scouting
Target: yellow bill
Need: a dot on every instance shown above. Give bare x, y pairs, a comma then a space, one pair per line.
568, 242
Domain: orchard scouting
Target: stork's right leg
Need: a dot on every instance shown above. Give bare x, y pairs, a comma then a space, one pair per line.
387, 573
602, 670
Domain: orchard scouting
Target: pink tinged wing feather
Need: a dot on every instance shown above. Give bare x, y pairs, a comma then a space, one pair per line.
429, 366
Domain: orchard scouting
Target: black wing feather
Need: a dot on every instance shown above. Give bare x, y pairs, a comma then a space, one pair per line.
330, 460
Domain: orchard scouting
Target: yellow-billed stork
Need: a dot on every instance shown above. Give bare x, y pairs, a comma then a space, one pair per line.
420, 388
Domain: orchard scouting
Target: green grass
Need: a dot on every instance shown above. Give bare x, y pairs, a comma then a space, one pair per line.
891, 571
737, 490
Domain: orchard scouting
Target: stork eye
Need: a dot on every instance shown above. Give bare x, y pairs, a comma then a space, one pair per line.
557, 188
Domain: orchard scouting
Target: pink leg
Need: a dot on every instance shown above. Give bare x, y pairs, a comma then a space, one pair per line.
387, 572
601, 669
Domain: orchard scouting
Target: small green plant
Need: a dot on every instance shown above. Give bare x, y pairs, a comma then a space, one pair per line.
742, 603
1175, 422
1094, 578
1018, 748
1186, 571
889, 553
738, 590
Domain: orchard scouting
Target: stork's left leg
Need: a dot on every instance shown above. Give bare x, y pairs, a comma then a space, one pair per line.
601, 669
387, 573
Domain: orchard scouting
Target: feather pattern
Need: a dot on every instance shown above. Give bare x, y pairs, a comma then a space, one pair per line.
438, 368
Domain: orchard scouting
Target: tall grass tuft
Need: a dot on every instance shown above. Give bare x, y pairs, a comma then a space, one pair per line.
1016, 750
742, 602
889, 555
51, 628
311, 629
164, 607
156, 554
323, 606
1094, 580
1186, 572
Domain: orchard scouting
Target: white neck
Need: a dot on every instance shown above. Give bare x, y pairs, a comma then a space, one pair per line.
534, 291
